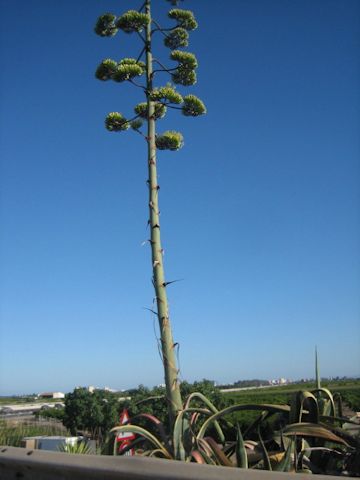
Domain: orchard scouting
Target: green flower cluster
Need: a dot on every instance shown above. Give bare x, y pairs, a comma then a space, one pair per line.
126, 69
185, 73
106, 69
166, 94
105, 25
169, 140
142, 110
136, 124
116, 122
132, 21
193, 106
177, 38
184, 18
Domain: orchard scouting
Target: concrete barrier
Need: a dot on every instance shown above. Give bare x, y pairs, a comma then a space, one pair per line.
22, 463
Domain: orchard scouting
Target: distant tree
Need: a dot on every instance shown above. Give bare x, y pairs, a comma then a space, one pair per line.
95, 413
157, 100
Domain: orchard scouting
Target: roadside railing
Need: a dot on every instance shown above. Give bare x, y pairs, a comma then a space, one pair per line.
26, 464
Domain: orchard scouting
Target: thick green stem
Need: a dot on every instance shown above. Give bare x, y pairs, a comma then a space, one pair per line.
167, 343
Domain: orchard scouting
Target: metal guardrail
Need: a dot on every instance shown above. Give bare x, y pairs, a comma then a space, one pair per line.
22, 463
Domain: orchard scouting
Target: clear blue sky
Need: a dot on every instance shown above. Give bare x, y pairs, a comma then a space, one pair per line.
260, 209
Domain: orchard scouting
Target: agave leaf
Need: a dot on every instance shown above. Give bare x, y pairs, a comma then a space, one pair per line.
285, 463
144, 433
158, 424
157, 453
253, 426
236, 408
183, 437
240, 450
266, 459
312, 430
304, 402
320, 393
181, 427
222, 459
206, 451
212, 408
307, 450
197, 456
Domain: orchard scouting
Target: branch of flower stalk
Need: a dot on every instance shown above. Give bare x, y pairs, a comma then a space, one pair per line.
155, 60
136, 84
159, 29
142, 7
141, 54
141, 37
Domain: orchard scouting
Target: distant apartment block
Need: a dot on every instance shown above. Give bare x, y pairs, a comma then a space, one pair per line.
51, 395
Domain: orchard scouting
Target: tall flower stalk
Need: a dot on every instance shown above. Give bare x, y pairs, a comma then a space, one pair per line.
158, 100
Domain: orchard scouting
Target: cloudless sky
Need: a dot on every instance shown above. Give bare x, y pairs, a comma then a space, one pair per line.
259, 210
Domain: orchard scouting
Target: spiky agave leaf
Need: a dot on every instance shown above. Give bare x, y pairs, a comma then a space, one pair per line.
218, 454
167, 94
143, 433
106, 69
304, 403
211, 407
81, 448
285, 462
105, 25
240, 450
132, 21
142, 110
116, 122
312, 430
169, 140
325, 401
177, 38
156, 423
241, 407
265, 454
185, 18
193, 106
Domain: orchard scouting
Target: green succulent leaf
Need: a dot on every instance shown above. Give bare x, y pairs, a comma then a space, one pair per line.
193, 106
132, 21
142, 110
144, 433
169, 140
240, 450
136, 124
116, 122
167, 93
105, 25
177, 38
184, 18
106, 69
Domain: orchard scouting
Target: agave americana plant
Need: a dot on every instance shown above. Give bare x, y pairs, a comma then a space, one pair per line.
308, 435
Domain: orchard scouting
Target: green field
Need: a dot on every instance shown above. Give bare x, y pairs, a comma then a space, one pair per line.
349, 391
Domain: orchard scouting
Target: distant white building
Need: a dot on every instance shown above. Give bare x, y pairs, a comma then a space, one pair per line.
52, 395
